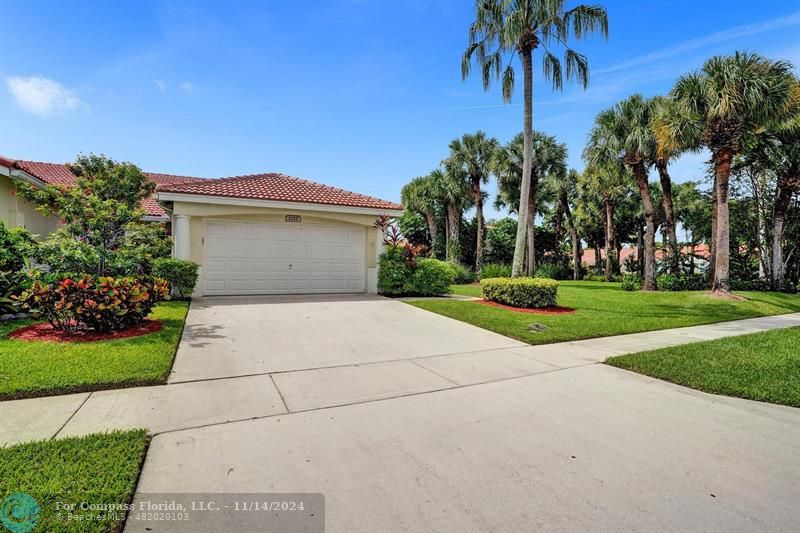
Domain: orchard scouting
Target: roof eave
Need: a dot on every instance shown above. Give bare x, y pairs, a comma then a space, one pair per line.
167, 196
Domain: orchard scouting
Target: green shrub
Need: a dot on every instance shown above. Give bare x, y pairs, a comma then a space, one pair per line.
431, 277
521, 292
62, 253
500, 239
393, 272
683, 282
496, 270
16, 245
102, 304
179, 273
632, 282
553, 271
402, 275
591, 276
461, 274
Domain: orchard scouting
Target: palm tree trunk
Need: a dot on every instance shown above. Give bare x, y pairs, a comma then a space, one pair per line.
640, 173
610, 239
559, 228
476, 191
433, 230
783, 196
530, 267
722, 171
573, 236
712, 249
640, 248
669, 214
453, 233
526, 55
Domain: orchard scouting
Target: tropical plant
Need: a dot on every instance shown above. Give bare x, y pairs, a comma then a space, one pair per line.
179, 273
506, 28
453, 191
551, 160
623, 132
16, 244
661, 159
421, 195
500, 237
720, 107
496, 270
472, 155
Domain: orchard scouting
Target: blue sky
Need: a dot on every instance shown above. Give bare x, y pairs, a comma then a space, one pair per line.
362, 95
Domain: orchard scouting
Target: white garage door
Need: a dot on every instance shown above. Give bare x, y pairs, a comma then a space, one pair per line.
283, 258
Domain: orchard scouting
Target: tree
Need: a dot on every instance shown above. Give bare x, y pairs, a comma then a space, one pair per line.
623, 133
453, 191
472, 154
421, 195
504, 29
102, 211
663, 155
566, 185
508, 167
608, 180
728, 100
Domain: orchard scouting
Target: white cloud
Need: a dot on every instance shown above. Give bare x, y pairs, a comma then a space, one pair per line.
730, 34
42, 96
162, 85
187, 87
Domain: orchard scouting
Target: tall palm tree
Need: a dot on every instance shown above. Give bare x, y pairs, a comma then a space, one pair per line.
508, 166
662, 158
623, 132
420, 195
473, 154
453, 191
720, 107
505, 28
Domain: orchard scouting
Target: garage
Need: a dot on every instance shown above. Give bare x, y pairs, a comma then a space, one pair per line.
283, 258
276, 234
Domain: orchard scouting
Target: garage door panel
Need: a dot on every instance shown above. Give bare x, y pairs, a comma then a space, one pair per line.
268, 258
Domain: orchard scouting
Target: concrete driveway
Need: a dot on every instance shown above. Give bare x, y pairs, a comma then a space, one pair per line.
408, 421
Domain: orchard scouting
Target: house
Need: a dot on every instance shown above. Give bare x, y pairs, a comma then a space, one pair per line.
276, 234
16, 212
699, 253
257, 234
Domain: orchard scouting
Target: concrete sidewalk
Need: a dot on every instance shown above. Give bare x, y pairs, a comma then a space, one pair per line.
203, 402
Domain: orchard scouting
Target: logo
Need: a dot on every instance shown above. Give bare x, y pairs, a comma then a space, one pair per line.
19, 513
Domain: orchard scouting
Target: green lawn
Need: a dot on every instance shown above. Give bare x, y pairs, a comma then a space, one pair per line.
761, 366
603, 309
38, 368
97, 469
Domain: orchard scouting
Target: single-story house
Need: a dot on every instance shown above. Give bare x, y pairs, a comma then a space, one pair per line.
257, 234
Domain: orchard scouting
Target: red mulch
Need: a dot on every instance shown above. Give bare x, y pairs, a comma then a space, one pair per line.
530, 310
45, 332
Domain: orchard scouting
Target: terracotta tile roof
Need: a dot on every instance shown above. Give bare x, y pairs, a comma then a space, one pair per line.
60, 174
280, 187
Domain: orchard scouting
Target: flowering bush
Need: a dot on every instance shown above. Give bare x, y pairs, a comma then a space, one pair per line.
102, 304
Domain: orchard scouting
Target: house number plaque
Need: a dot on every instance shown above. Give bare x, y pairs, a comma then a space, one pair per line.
293, 218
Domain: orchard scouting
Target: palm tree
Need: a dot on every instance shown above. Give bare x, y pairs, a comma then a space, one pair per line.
566, 186
508, 166
623, 132
608, 180
420, 195
453, 191
473, 154
720, 107
662, 158
505, 28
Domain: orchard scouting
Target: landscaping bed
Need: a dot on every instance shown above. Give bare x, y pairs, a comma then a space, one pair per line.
42, 368
603, 309
96, 469
761, 366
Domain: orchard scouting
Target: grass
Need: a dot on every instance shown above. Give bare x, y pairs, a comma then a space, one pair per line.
761, 366
39, 368
603, 309
100, 468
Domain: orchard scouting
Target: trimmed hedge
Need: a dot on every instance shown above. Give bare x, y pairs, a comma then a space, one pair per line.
684, 282
521, 292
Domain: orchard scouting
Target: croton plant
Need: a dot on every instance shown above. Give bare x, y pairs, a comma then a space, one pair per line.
99, 303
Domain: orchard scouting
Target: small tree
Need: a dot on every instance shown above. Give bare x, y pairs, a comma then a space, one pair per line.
102, 210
